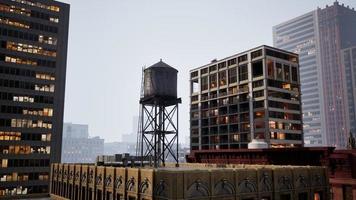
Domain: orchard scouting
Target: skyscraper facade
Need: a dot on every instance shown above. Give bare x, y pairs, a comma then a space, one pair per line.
253, 95
33, 56
349, 63
319, 38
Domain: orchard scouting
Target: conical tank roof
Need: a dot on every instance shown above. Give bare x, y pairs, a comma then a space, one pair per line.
161, 64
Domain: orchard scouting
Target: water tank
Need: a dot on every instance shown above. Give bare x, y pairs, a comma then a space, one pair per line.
257, 144
160, 80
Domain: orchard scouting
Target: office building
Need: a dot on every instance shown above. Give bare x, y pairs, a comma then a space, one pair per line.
319, 38
253, 95
78, 147
33, 56
348, 61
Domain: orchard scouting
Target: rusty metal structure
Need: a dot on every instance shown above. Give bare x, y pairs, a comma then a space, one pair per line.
158, 131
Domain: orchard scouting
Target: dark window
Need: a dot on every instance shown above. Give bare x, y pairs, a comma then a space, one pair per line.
294, 74
204, 83
256, 84
231, 62
286, 73
303, 196
256, 54
279, 71
242, 58
204, 71
212, 68
285, 197
270, 68
292, 58
243, 73
232, 75
257, 69
222, 65
194, 74
259, 93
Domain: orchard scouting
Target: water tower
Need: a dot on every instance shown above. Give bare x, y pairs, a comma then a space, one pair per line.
158, 131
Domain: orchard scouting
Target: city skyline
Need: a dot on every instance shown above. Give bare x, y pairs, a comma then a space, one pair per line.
134, 34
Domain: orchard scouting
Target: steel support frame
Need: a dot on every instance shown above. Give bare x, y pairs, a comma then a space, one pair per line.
159, 133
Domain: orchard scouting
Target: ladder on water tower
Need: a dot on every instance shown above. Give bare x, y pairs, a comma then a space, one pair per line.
139, 128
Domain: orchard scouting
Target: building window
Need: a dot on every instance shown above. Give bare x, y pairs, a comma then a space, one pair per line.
10, 135
256, 54
242, 58
270, 68
4, 163
243, 73
257, 69
257, 84
232, 75
27, 48
286, 73
194, 86
213, 81
222, 65
294, 74
204, 71
13, 23
194, 74
233, 90
279, 71
259, 93
222, 78
231, 62
204, 83
38, 5
259, 104
212, 68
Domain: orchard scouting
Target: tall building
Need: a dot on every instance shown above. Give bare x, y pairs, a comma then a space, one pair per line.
319, 38
349, 63
33, 55
251, 95
78, 147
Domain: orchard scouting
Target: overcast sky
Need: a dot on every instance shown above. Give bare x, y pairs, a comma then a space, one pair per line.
111, 40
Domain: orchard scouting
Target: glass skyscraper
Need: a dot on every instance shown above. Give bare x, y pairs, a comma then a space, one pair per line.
319, 38
33, 56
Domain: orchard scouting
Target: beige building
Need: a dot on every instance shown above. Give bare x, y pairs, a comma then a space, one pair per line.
190, 181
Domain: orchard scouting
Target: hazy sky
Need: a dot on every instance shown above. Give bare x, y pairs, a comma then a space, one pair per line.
111, 40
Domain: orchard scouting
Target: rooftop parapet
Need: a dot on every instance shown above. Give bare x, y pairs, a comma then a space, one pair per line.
190, 181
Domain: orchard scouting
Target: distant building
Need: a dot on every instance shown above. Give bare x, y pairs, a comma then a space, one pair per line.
320, 37
75, 130
129, 138
253, 95
78, 147
111, 148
